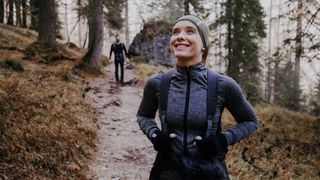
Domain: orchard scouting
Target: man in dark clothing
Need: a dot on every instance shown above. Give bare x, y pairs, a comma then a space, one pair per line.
118, 48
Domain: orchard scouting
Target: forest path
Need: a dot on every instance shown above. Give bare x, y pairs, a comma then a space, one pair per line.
123, 151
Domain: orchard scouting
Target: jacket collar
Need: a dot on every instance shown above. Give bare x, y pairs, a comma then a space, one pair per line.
195, 70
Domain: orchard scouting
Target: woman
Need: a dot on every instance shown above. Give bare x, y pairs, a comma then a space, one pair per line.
190, 143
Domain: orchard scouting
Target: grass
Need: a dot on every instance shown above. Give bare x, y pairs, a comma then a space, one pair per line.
286, 146
47, 129
144, 71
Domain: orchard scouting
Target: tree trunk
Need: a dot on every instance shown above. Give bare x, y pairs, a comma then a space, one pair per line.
18, 13
10, 17
34, 10
269, 91
127, 22
66, 20
95, 23
47, 23
79, 19
233, 64
298, 49
186, 7
24, 13
1, 11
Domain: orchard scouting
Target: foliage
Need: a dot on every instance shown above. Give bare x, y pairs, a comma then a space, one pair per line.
173, 9
285, 91
309, 15
114, 13
315, 102
245, 26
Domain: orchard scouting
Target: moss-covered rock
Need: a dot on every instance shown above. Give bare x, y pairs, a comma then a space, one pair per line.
153, 43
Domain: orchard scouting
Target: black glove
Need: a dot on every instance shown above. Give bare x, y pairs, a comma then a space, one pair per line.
160, 141
213, 144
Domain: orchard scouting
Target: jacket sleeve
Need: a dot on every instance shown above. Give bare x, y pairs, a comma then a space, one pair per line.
241, 110
111, 50
149, 106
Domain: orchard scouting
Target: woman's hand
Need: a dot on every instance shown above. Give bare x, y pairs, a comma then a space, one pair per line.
213, 144
160, 141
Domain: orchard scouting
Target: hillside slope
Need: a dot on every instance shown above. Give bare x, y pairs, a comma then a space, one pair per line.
46, 126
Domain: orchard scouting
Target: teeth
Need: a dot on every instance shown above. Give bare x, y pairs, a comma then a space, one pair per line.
181, 45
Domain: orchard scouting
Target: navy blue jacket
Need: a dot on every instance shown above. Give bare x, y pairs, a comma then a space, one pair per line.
229, 96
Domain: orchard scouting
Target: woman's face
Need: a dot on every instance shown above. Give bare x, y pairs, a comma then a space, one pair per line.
186, 43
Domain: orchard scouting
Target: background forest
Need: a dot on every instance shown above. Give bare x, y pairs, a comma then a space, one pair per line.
51, 51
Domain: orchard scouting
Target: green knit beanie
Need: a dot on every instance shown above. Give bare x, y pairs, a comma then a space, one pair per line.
203, 31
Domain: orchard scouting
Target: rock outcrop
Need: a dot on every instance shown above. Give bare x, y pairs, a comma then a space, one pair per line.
152, 43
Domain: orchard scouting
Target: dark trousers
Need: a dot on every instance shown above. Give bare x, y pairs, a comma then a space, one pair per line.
166, 169
119, 60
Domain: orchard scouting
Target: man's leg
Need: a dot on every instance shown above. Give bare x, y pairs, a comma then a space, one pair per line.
122, 69
116, 63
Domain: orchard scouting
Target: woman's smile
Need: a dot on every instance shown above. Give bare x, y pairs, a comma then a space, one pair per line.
180, 46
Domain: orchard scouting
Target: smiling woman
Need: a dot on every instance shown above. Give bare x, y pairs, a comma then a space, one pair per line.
191, 99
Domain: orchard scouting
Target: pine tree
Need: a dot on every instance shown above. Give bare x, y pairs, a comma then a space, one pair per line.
34, 11
269, 89
173, 9
96, 30
315, 103
79, 14
284, 86
10, 16
298, 52
24, 13
47, 23
114, 14
127, 32
1, 11
245, 26
18, 12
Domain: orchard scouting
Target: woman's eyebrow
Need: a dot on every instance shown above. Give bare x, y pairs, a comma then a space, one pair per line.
188, 27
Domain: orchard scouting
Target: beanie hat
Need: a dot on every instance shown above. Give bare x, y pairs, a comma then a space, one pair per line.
202, 29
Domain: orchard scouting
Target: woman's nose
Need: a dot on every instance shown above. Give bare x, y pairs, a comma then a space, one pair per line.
181, 36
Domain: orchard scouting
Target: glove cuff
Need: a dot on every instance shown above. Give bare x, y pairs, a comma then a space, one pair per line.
154, 135
223, 140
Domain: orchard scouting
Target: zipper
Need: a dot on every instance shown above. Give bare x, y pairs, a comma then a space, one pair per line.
186, 108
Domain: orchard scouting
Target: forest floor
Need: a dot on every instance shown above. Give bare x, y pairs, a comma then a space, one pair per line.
123, 151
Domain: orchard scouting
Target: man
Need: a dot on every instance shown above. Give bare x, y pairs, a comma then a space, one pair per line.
118, 48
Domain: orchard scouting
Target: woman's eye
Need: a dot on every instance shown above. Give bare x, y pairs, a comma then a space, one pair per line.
175, 33
190, 31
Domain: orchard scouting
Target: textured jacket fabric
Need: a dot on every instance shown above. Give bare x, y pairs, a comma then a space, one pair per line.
229, 96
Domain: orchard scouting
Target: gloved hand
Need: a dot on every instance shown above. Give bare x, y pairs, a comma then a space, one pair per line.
213, 144
160, 141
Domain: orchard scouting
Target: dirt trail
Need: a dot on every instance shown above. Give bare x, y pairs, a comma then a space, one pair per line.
123, 151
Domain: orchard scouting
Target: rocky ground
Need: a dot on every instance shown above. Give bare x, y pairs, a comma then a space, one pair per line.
123, 151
